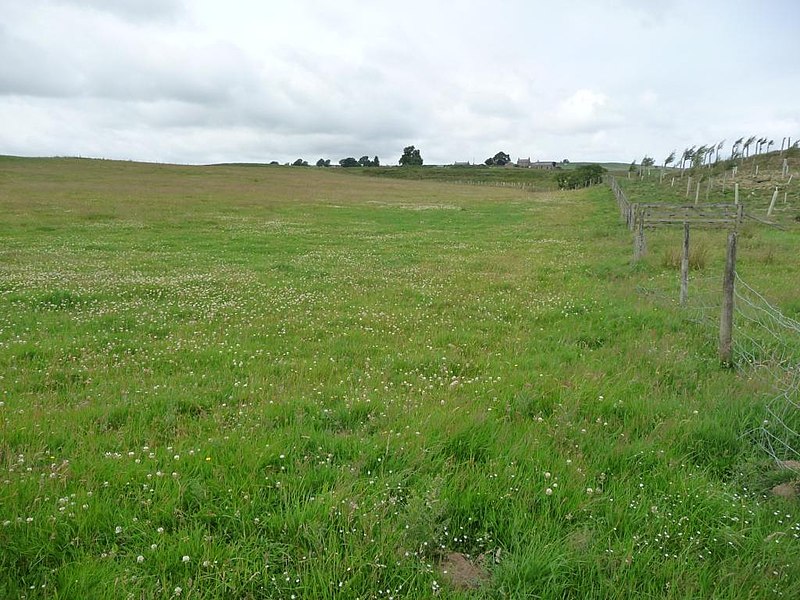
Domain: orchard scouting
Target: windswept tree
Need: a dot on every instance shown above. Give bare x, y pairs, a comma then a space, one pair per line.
348, 162
686, 157
717, 149
770, 144
300, 163
324, 162
699, 156
670, 159
746, 146
648, 161
736, 149
411, 157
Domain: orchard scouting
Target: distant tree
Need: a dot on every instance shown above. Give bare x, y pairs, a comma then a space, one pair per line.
736, 148
583, 176
322, 162
411, 157
698, 156
687, 156
501, 159
717, 149
565, 161
746, 145
300, 163
670, 159
274, 162
364, 161
348, 162
770, 144
632, 168
376, 162
648, 161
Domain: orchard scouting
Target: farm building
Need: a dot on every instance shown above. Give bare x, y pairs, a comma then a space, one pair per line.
526, 163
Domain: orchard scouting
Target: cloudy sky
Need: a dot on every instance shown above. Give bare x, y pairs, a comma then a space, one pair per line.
201, 81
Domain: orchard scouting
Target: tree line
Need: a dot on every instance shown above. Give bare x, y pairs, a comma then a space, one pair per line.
411, 157
709, 154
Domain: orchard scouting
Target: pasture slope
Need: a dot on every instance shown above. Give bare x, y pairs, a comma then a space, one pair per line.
231, 382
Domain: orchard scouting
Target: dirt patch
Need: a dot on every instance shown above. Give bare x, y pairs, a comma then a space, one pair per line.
786, 490
462, 573
793, 465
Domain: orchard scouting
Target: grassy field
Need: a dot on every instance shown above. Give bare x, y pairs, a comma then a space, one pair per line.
239, 382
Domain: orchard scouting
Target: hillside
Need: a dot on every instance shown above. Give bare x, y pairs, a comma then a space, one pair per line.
758, 177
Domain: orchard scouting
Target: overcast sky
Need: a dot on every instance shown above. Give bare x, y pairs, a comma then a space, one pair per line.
202, 81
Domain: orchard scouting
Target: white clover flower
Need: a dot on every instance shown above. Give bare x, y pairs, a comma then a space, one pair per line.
549, 491
140, 559
186, 559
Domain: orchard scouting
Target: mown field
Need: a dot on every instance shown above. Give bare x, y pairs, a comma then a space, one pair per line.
232, 382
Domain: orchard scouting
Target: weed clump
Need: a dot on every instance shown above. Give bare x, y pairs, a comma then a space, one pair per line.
698, 257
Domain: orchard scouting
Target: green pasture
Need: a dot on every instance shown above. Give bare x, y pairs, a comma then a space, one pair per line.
247, 382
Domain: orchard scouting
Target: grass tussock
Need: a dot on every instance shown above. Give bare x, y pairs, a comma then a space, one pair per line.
698, 256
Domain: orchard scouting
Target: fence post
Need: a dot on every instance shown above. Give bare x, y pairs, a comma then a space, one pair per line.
772, 202
639, 243
685, 265
726, 319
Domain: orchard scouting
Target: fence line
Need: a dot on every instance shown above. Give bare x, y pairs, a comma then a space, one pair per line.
657, 214
767, 342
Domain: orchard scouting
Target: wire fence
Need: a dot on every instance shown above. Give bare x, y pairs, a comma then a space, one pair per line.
769, 343
766, 344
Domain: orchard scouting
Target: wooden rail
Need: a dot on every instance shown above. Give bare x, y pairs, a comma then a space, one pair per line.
659, 214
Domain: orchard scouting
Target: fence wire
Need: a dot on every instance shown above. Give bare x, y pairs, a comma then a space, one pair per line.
766, 344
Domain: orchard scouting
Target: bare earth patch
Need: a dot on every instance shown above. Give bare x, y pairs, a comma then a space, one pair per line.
786, 490
462, 573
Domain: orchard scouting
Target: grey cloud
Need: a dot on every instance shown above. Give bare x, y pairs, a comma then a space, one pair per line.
130, 10
31, 69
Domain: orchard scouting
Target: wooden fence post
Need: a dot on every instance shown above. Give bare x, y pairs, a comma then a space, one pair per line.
772, 202
639, 243
685, 265
726, 319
